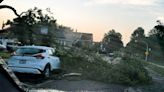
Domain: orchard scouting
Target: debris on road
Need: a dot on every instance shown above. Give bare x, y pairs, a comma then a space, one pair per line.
72, 74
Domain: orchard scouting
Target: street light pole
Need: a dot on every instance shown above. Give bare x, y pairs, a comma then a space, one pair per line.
147, 49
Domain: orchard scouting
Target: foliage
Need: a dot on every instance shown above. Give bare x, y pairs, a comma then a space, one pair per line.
92, 66
129, 71
138, 34
158, 33
26, 28
156, 54
112, 41
96, 47
156, 43
137, 43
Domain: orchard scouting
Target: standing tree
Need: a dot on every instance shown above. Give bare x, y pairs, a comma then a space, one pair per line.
26, 28
138, 34
112, 41
157, 33
137, 45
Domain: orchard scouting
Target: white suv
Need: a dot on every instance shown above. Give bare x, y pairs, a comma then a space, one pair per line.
35, 60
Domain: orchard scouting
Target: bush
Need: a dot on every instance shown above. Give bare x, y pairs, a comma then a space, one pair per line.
129, 71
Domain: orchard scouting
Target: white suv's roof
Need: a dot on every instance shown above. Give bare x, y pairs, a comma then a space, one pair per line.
37, 47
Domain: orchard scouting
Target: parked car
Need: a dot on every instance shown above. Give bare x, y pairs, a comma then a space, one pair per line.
12, 46
35, 60
2, 47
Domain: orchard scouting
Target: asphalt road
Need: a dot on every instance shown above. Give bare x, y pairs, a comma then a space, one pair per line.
80, 85
72, 84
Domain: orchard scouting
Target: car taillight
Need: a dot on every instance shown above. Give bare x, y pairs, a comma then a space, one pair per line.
39, 56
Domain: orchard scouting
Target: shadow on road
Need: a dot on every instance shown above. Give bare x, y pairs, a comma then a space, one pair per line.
30, 78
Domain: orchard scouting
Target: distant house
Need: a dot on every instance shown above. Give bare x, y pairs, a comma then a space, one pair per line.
60, 37
67, 37
4, 39
86, 40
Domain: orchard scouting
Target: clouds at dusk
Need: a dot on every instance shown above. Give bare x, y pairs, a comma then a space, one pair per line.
97, 16
123, 2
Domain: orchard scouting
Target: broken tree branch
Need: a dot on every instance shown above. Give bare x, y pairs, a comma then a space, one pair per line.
11, 8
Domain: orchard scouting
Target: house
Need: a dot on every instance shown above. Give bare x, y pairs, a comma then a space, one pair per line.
86, 40
7, 42
60, 37
67, 37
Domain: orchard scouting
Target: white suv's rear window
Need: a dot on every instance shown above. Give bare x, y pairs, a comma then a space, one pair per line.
29, 51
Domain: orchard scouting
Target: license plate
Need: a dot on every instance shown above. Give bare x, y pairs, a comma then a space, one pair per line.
22, 62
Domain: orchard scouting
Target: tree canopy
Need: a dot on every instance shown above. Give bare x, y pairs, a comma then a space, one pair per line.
156, 36
137, 44
112, 41
138, 34
27, 27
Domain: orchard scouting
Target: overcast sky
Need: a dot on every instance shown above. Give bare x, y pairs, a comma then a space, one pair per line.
96, 16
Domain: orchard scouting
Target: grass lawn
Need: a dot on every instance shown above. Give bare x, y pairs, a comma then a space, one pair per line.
157, 69
156, 86
158, 62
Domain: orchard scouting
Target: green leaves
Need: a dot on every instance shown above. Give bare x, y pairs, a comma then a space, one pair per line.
26, 28
112, 41
129, 71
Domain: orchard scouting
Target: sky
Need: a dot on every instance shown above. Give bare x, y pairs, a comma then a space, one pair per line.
96, 16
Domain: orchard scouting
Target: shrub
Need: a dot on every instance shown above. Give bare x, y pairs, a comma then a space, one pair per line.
129, 71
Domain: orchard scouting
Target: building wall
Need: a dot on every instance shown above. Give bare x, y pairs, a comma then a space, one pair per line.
87, 40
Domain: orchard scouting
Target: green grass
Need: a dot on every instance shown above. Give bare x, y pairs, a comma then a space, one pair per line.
157, 69
155, 86
159, 62
4, 55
